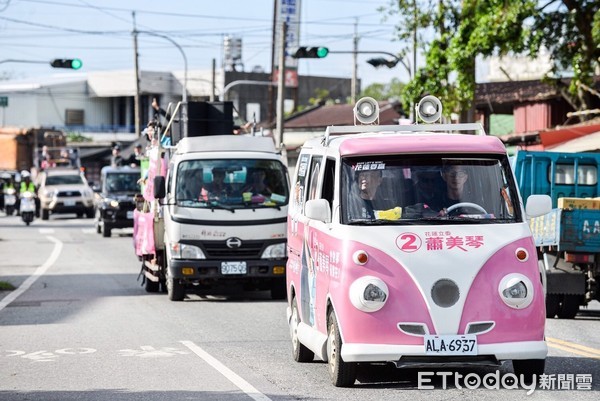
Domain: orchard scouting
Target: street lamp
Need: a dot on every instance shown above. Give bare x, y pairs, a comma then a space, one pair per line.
380, 61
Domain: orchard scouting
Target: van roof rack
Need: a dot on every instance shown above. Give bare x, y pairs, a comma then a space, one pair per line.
464, 128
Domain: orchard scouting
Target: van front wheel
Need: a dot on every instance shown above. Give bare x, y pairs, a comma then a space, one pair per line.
343, 374
300, 352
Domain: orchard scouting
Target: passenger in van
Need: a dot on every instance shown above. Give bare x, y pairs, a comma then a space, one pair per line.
258, 185
368, 199
428, 187
192, 186
218, 189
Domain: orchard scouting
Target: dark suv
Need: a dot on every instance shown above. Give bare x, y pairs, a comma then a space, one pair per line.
114, 199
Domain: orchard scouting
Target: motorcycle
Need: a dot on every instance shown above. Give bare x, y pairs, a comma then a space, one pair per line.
27, 208
10, 200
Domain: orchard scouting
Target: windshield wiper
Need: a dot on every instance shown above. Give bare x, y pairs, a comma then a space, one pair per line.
216, 205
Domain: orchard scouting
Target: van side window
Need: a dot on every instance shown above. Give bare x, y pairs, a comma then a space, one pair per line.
315, 168
329, 181
299, 190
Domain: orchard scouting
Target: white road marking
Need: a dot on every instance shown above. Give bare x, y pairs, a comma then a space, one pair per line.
46, 231
225, 371
4, 302
88, 230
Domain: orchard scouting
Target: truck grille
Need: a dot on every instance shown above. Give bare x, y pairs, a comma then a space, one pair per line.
218, 249
68, 194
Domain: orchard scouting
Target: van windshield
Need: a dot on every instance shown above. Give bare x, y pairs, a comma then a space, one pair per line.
231, 184
429, 189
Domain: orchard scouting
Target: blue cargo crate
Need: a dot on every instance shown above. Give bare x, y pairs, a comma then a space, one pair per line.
575, 230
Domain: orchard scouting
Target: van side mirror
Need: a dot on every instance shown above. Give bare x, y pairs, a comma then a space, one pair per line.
318, 209
538, 205
159, 187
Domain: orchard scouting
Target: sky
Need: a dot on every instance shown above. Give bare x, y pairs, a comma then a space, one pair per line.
100, 34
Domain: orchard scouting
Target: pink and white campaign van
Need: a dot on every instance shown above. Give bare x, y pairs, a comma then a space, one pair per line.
409, 244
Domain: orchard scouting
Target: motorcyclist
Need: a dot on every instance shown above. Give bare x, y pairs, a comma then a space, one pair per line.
5, 183
28, 185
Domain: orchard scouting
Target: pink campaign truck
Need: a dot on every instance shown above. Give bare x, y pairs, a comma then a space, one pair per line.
410, 245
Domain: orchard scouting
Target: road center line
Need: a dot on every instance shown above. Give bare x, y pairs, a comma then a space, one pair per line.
573, 348
4, 302
225, 371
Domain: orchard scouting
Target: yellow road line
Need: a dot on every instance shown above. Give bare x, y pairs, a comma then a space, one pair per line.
573, 348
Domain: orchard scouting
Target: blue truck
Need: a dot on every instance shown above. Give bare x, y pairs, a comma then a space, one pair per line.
567, 238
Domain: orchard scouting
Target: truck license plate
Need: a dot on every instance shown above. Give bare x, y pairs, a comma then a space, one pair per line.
69, 202
233, 268
451, 345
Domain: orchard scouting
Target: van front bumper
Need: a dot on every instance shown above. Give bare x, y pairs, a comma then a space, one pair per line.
395, 353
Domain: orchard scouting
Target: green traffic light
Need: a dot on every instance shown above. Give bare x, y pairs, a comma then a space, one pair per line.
76, 64
322, 52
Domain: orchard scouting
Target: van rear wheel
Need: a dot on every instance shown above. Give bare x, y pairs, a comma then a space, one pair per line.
300, 352
343, 374
529, 368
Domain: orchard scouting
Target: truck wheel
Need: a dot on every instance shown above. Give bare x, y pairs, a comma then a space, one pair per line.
106, 230
300, 352
342, 374
569, 307
552, 305
89, 213
175, 290
278, 288
45, 214
151, 286
529, 368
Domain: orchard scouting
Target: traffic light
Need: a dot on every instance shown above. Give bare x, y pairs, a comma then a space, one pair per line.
311, 52
74, 63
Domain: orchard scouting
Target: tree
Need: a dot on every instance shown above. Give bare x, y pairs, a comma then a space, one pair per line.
463, 30
378, 91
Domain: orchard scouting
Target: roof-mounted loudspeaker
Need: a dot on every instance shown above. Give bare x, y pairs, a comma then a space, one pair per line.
366, 111
429, 109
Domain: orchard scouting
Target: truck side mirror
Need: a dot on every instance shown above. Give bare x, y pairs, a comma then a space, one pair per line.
159, 187
538, 205
318, 209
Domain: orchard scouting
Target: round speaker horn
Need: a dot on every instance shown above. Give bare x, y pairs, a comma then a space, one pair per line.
366, 110
429, 109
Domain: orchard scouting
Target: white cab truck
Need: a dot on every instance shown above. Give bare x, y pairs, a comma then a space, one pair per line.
220, 224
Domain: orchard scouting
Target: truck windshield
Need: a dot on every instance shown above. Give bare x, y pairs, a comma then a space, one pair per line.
428, 190
122, 182
231, 184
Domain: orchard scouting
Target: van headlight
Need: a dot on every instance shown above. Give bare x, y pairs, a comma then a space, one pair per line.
276, 251
369, 294
516, 291
186, 251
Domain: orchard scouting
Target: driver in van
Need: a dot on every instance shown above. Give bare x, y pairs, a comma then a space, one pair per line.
368, 199
455, 177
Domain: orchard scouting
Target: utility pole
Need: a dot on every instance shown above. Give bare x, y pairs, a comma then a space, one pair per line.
136, 106
353, 84
281, 86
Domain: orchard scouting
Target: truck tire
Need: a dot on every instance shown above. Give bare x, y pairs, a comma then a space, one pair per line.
278, 288
151, 286
106, 230
175, 290
342, 374
299, 351
569, 307
528, 368
552, 305
45, 214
